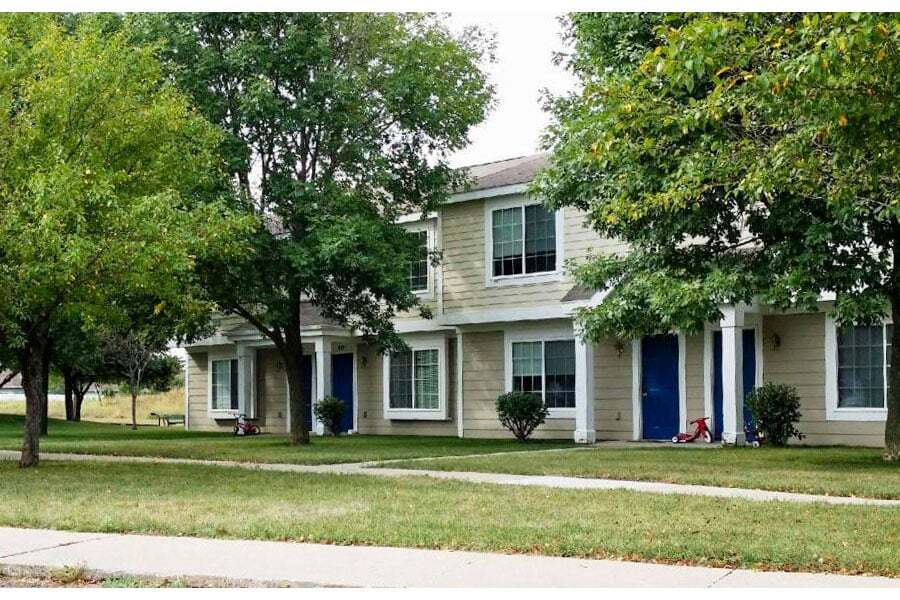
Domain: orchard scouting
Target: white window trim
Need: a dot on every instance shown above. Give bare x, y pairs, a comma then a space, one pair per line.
219, 413
832, 411
428, 227
524, 278
537, 334
428, 342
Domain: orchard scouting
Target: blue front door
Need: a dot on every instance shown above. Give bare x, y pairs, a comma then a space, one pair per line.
659, 387
342, 386
748, 339
307, 388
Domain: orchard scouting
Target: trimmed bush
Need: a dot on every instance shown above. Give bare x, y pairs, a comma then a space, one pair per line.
521, 413
775, 409
329, 411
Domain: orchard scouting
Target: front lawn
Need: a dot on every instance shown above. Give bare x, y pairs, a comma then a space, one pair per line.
814, 470
206, 501
173, 442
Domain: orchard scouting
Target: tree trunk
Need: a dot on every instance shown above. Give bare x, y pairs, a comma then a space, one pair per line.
68, 391
892, 425
45, 407
298, 402
133, 407
80, 393
33, 372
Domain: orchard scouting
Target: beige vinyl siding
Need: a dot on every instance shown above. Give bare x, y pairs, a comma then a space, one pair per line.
371, 398
198, 390
483, 381
464, 261
271, 392
612, 390
694, 380
800, 361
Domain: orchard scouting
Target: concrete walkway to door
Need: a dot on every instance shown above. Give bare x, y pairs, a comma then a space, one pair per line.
551, 481
368, 566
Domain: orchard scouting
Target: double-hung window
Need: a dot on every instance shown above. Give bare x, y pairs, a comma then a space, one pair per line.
547, 369
863, 364
523, 240
418, 267
414, 381
857, 368
223, 385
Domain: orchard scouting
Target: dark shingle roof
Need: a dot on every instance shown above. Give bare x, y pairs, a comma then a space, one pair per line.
504, 172
578, 292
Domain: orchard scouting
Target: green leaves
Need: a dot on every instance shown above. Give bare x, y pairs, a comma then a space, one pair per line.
741, 157
101, 178
350, 119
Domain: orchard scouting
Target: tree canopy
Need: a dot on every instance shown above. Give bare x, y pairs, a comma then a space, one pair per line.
336, 124
742, 158
108, 180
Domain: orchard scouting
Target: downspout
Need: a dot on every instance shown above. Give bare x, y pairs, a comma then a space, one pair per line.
187, 391
460, 431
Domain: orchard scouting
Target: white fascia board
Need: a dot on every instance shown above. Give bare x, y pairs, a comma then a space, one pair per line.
503, 190
416, 325
416, 218
502, 315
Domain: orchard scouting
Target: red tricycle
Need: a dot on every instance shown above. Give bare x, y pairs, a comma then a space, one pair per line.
701, 431
242, 426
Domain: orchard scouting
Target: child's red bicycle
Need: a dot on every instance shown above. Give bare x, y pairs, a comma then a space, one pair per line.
701, 431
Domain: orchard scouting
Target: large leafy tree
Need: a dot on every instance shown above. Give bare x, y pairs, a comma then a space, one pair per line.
106, 181
336, 125
741, 157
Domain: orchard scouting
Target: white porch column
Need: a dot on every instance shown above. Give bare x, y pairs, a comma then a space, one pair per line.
323, 376
246, 356
732, 375
584, 392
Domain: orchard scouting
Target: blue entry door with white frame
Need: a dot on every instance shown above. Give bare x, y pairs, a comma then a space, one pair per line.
660, 412
748, 350
342, 387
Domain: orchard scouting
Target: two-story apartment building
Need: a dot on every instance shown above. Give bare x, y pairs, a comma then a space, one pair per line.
503, 305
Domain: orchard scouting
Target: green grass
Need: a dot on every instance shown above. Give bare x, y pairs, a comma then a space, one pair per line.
104, 438
814, 470
192, 500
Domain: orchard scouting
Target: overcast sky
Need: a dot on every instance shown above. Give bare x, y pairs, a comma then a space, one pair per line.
525, 46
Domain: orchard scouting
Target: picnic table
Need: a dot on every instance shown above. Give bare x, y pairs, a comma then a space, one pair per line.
167, 419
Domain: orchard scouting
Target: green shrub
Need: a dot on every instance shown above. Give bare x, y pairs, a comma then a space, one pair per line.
330, 410
521, 413
775, 409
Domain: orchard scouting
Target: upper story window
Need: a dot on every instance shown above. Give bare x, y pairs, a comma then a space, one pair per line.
418, 267
223, 384
523, 240
864, 361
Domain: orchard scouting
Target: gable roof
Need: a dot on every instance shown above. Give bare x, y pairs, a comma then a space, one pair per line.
510, 171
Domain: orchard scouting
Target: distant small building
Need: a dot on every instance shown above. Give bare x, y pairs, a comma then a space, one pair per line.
13, 387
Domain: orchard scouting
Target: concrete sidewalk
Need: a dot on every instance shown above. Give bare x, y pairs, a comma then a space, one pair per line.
551, 481
367, 566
